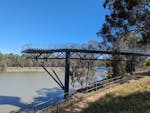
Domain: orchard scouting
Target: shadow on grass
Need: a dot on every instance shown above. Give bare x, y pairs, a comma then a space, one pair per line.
142, 74
138, 102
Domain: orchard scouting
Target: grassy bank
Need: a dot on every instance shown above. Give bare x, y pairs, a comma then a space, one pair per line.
132, 97
31, 69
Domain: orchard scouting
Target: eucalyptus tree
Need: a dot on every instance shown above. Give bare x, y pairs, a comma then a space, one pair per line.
126, 18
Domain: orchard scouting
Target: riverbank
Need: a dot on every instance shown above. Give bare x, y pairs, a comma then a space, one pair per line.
126, 97
31, 69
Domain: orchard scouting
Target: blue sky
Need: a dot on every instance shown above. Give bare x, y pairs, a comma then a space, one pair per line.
48, 22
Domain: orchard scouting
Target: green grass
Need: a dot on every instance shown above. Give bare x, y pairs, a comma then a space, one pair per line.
133, 97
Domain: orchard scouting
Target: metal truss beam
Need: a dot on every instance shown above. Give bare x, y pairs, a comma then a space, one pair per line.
82, 59
119, 52
57, 80
76, 54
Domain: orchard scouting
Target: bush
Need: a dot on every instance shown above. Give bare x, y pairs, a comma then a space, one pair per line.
3, 66
119, 67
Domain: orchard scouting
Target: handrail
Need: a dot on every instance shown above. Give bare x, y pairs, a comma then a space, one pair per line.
50, 101
79, 47
102, 83
105, 80
105, 83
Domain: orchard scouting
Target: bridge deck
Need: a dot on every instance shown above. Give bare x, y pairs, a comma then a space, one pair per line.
133, 52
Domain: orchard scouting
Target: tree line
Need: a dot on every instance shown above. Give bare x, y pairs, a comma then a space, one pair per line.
14, 60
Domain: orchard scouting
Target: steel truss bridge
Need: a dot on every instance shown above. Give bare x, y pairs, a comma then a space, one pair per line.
78, 54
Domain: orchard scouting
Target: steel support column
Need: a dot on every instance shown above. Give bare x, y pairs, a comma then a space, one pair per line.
67, 70
131, 67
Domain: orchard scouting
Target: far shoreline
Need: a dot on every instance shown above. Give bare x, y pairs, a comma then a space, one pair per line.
30, 69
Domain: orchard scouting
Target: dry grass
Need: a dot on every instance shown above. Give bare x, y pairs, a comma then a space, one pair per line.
133, 97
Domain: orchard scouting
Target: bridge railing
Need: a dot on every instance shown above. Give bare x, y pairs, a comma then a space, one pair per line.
103, 84
52, 102
57, 103
136, 50
89, 47
26, 46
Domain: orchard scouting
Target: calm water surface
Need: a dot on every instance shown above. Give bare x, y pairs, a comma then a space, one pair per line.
22, 90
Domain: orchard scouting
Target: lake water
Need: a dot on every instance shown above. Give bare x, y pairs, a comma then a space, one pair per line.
19, 91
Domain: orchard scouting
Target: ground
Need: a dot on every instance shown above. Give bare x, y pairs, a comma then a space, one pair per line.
131, 97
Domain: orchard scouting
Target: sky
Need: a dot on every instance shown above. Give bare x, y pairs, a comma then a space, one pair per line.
43, 23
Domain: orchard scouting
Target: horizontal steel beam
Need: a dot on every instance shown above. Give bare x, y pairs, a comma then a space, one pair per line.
79, 59
119, 52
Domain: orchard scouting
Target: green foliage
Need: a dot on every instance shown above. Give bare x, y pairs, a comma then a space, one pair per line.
110, 72
126, 16
3, 66
126, 26
12, 60
119, 67
3, 62
148, 63
81, 71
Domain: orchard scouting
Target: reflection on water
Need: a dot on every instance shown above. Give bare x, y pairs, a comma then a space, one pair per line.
99, 69
100, 74
23, 90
